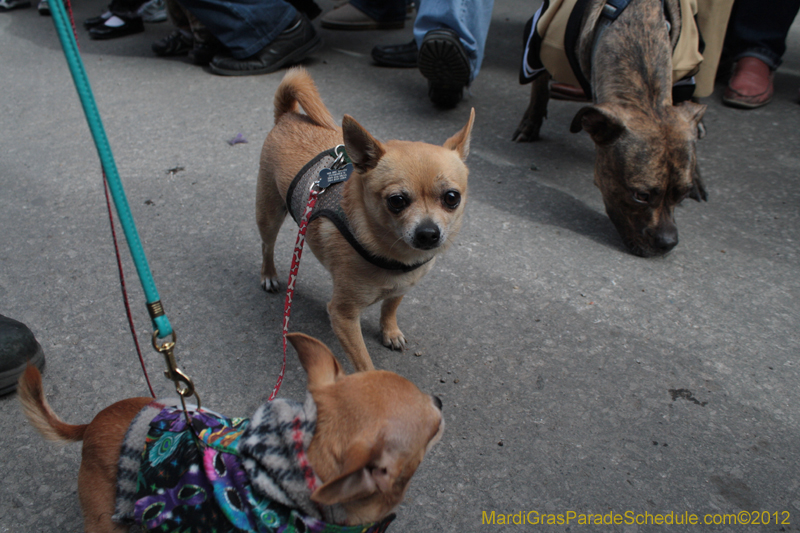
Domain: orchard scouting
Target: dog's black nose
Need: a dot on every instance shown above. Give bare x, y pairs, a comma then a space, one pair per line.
427, 235
666, 239
437, 402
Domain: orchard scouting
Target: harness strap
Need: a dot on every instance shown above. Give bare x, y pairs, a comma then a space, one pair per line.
613, 8
571, 34
611, 11
330, 208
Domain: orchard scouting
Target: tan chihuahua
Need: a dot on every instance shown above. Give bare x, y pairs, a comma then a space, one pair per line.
371, 431
402, 205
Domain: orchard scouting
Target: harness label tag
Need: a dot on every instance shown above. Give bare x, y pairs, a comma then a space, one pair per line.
328, 177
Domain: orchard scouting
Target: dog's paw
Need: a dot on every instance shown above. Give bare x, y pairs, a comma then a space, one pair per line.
270, 285
526, 132
394, 340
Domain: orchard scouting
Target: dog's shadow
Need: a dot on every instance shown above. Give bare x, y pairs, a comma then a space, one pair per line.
520, 193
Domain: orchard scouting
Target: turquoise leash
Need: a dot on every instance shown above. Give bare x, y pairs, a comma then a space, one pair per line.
64, 29
161, 326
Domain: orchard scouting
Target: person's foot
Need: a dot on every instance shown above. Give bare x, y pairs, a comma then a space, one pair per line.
202, 53
349, 17
153, 11
291, 46
444, 62
91, 22
18, 347
750, 85
43, 8
174, 44
115, 27
10, 5
396, 55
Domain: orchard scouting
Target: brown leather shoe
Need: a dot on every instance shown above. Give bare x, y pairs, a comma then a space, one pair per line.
750, 85
348, 17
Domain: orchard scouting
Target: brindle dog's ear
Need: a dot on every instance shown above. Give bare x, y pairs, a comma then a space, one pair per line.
599, 122
693, 113
698, 192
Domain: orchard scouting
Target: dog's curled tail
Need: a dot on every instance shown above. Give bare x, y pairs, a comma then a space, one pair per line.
297, 87
40, 414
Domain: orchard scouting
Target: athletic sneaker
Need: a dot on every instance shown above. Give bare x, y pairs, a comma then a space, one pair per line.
154, 11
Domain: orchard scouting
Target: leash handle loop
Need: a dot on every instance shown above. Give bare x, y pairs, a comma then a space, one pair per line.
63, 29
296, 255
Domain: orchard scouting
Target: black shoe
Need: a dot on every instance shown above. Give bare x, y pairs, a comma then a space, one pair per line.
396, 55
290, 47
443, 60
18, 346
131, 26
202, 53
174, 44
96, 21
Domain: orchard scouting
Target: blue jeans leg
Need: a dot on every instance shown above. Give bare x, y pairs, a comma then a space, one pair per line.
244, 26
470, 19
759, 29
382, 10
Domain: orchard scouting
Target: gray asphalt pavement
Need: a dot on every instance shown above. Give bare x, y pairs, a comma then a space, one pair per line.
576, 378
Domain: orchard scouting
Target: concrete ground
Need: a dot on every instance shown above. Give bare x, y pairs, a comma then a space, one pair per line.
576, 378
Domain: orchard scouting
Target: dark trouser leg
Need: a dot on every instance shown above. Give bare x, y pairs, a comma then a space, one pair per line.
244, 26
759, 29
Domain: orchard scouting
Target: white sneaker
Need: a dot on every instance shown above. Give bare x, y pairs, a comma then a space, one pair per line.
154, 11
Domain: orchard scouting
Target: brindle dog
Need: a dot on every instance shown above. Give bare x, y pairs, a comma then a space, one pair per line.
646, 161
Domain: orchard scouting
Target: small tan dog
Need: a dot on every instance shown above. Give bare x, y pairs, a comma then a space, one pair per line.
402, 205
372, 431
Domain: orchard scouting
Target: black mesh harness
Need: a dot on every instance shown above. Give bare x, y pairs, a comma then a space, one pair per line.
329, 204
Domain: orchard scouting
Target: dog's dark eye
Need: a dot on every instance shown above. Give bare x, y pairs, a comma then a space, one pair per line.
451, 199
397, 202
641, 197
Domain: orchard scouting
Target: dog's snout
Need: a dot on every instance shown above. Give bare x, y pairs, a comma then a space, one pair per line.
665, 239
427, 235
437, 402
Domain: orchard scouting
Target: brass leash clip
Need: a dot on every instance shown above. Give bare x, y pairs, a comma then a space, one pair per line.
183, 383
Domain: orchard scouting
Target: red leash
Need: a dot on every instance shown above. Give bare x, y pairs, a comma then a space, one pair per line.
339, 171
124, 290
287, 306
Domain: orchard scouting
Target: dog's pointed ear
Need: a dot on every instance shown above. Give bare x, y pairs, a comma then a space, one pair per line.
364, 150
693, 113
460, 141
600, 122
369, 469
317, 360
